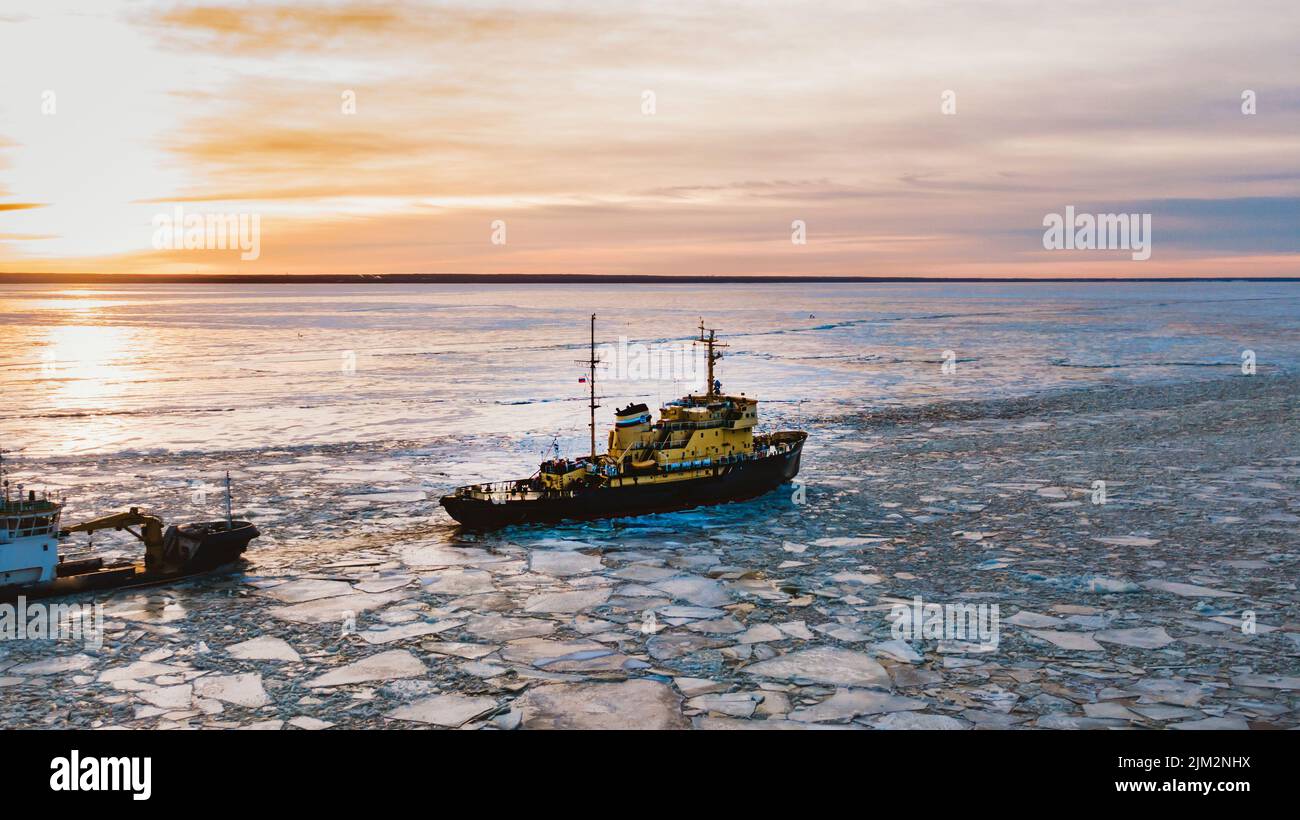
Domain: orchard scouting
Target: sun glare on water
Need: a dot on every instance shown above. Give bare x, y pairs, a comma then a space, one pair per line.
87, 368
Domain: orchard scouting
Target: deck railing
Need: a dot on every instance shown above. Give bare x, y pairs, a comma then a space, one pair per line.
520, 489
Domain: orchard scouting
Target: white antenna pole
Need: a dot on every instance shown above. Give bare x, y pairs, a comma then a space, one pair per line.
230, 521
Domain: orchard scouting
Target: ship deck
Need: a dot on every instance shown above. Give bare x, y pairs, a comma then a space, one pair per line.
520, 490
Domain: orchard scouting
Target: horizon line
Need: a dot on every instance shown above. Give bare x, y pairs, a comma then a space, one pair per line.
569, 278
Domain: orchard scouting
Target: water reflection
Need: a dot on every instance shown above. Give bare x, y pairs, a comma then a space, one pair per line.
80, 363
157, 608
74, 301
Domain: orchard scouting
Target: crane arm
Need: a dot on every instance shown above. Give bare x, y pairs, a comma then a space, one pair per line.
150, 526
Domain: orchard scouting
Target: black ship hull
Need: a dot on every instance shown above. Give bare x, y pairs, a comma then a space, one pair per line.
724, 483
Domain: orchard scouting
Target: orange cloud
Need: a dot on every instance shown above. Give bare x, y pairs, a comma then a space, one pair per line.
761, 115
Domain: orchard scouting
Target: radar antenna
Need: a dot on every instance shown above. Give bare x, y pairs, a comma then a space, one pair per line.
710, 340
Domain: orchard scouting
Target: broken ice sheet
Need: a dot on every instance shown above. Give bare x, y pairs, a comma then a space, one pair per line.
917, 720
435, 556
1188, 590
666, 647
447, 710
500, 628
309, 723
1032, 619
1171, 691
703, 592
138, 670
849, 541
1110, 710
542, 652
266, 648
830, 665
632, 704
847, 633
733, 704
760, 633
1074, 641
334, 609
644, 573
899, 650
168, 697
567, 602
471, 651
307, 589
395, 663
846, 704
795, 629
693, 687
458, 581
149, 609
1216, 723
563, 563
1289, 682
406, 631
54, 666
239, 690
689, 612
384, 583
1142, 638
1128, 541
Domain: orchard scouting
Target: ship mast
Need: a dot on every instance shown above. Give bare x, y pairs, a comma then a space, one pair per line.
591, 362
591, 381
713, 356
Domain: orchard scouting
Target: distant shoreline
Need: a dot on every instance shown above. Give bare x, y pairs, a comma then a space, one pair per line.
560, 279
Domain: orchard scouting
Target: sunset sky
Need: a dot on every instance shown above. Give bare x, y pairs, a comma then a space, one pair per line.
764, 113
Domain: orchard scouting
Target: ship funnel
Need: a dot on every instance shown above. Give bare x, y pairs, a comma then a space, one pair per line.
629, 424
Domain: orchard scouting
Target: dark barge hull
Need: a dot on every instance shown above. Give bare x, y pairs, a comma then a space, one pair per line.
210, 544
727, 482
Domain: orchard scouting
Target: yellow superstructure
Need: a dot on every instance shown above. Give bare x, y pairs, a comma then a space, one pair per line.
694, 435
689, 429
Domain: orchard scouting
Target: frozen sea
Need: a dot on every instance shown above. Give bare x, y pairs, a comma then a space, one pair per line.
376, 399
342, 413
210, 368
392, 394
